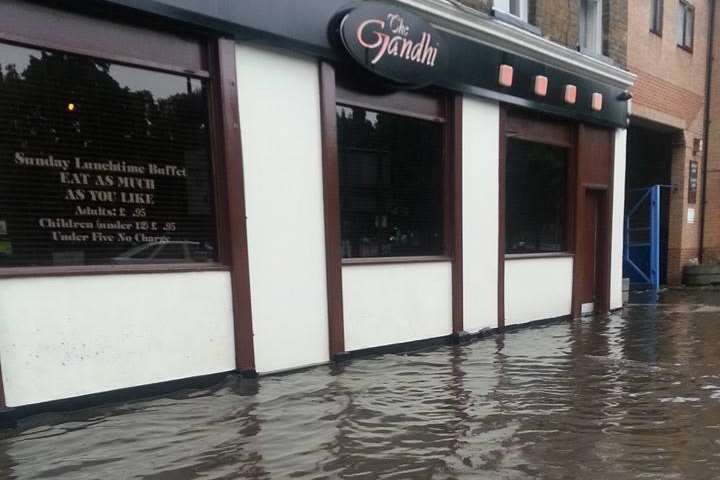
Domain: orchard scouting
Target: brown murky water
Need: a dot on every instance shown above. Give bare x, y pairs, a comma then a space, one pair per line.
635, 395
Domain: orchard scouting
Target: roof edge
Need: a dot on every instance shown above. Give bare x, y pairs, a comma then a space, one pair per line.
484, 29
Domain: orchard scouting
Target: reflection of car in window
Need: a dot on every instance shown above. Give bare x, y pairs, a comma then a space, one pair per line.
166, 252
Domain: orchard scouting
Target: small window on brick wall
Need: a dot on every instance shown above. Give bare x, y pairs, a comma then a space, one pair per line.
686, 25
518, 8
656, 16
591, 26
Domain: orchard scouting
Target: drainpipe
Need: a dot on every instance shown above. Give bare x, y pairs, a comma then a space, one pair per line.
706, 126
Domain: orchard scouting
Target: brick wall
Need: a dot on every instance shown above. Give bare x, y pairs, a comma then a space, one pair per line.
684, 237
670, 91
616, 30
658, 94
660, 55
711, 252
558, 21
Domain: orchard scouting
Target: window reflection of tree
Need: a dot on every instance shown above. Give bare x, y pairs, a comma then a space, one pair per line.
536, 197
391, 184
165, 123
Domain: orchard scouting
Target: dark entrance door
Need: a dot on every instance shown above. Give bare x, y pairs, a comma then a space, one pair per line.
591, 277
649, 162
591, 256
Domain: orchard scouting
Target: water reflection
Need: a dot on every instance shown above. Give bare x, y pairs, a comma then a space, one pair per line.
635, 395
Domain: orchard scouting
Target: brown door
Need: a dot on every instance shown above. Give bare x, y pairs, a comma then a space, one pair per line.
591, 254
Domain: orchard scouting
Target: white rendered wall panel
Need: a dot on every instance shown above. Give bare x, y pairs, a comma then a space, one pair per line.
388, 304
279, 101
616, 297
480, 195
537, 289
63, 337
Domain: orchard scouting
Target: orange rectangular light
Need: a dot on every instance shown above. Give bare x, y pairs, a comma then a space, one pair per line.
505, 77
570, 94
541, 85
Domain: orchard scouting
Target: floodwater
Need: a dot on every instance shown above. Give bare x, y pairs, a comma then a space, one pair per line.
633, 395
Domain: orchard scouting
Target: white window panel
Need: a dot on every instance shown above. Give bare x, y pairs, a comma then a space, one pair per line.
591, 25
686, 24
518, 8
656, 16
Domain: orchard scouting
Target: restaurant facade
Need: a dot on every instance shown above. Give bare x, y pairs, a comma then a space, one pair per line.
194, 188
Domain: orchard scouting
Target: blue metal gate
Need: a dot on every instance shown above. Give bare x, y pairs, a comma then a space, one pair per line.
641, 249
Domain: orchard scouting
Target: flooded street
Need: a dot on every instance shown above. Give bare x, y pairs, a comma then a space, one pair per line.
635, 395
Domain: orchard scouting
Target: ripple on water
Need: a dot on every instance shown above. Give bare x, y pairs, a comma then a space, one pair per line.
627, 396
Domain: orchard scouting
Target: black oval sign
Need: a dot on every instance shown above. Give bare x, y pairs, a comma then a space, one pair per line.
394, 43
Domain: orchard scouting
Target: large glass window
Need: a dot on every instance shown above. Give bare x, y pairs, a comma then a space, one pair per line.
391, 184
536, 197
101, 163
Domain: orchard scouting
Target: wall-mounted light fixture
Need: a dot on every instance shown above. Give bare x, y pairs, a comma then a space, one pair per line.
697, 145
505, 77
541, 85
625, 96
570, 94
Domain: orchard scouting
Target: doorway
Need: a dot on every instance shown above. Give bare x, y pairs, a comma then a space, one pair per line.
591, 278
594, 231
649, 163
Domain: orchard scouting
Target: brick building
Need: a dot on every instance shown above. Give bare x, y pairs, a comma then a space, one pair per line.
597, 28
711, 227
666, 131
664, 43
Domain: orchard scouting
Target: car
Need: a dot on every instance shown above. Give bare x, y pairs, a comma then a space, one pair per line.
170, 251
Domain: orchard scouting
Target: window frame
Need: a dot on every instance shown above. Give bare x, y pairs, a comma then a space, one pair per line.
685, 8
429, 106
597, 47
334, 265
531, 127
204, 58
523, 6
657, 12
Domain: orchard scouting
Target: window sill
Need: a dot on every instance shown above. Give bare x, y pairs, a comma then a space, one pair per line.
76, 270
687, 49
529, 256
596, 55
395, 260
516, 21
656, 32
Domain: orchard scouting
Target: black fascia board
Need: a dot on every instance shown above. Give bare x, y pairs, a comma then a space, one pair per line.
307, 26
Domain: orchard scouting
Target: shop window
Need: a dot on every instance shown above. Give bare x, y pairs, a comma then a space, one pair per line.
391, 184
101, 163
518, 8
686, 25
656, 16
591, 35
535, 198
